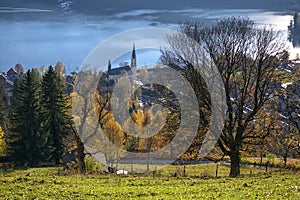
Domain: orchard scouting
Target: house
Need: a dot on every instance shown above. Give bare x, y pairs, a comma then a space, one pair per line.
7, 79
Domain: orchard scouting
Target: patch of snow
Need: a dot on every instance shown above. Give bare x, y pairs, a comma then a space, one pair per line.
122, 172
284, 85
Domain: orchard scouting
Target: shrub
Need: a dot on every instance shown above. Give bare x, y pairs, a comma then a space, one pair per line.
93, 166
292, 165
271, 158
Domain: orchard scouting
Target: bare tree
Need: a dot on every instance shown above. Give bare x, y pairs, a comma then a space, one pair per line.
291, 118
246, 57
83, 98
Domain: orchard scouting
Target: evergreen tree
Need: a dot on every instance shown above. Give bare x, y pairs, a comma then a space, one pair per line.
26, 140
3, 109
57, 116
3, 118
13, 101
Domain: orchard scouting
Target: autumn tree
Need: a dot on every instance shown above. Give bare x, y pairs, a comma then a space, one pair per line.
290, 111
2, 142
131, 142
115, 135
246, 58
143, 73
264, 129
89, 110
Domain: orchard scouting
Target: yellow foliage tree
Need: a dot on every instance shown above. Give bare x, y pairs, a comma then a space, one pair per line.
115, 135
2, 141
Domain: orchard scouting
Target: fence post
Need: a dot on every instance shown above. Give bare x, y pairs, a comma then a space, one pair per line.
217, 169
267, 163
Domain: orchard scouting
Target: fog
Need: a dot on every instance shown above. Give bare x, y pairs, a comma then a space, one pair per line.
37, 33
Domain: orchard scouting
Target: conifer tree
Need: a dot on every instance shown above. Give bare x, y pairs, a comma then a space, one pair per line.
3, 118
57, 118
3, 109
26, 140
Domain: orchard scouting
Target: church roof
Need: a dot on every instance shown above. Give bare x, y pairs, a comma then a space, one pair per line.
11, 72
119, 70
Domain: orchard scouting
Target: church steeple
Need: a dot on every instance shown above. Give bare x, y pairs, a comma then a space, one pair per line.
108, 69
109, 65
133, 57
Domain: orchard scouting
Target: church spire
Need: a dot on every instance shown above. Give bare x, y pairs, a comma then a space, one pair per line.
108, 69
109, 65
133, 57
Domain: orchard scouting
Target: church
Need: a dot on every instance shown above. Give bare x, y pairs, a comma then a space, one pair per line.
108, 79
124, 67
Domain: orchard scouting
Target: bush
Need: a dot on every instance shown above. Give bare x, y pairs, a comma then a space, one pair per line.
292, 165
93, 166
271, 158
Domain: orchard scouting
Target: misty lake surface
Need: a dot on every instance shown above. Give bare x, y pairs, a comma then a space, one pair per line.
41, 35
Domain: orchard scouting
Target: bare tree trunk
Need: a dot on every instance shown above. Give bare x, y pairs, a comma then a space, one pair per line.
117, 162
285, 158
149, 144
148, 163
80, 151
80, 156
235, 159
261, 159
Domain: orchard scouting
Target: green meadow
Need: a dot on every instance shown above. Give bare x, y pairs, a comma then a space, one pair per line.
171, 182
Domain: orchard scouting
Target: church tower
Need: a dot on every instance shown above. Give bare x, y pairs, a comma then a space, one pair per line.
133, 60
109, 68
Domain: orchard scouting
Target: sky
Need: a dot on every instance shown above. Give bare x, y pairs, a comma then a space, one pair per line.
36, 33
96, 6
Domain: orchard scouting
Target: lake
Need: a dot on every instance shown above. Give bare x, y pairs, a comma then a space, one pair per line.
36, 35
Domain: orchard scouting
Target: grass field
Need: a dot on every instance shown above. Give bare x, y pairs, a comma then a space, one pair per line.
168, 183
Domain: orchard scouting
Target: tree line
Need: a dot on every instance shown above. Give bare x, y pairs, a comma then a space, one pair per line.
38, 120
